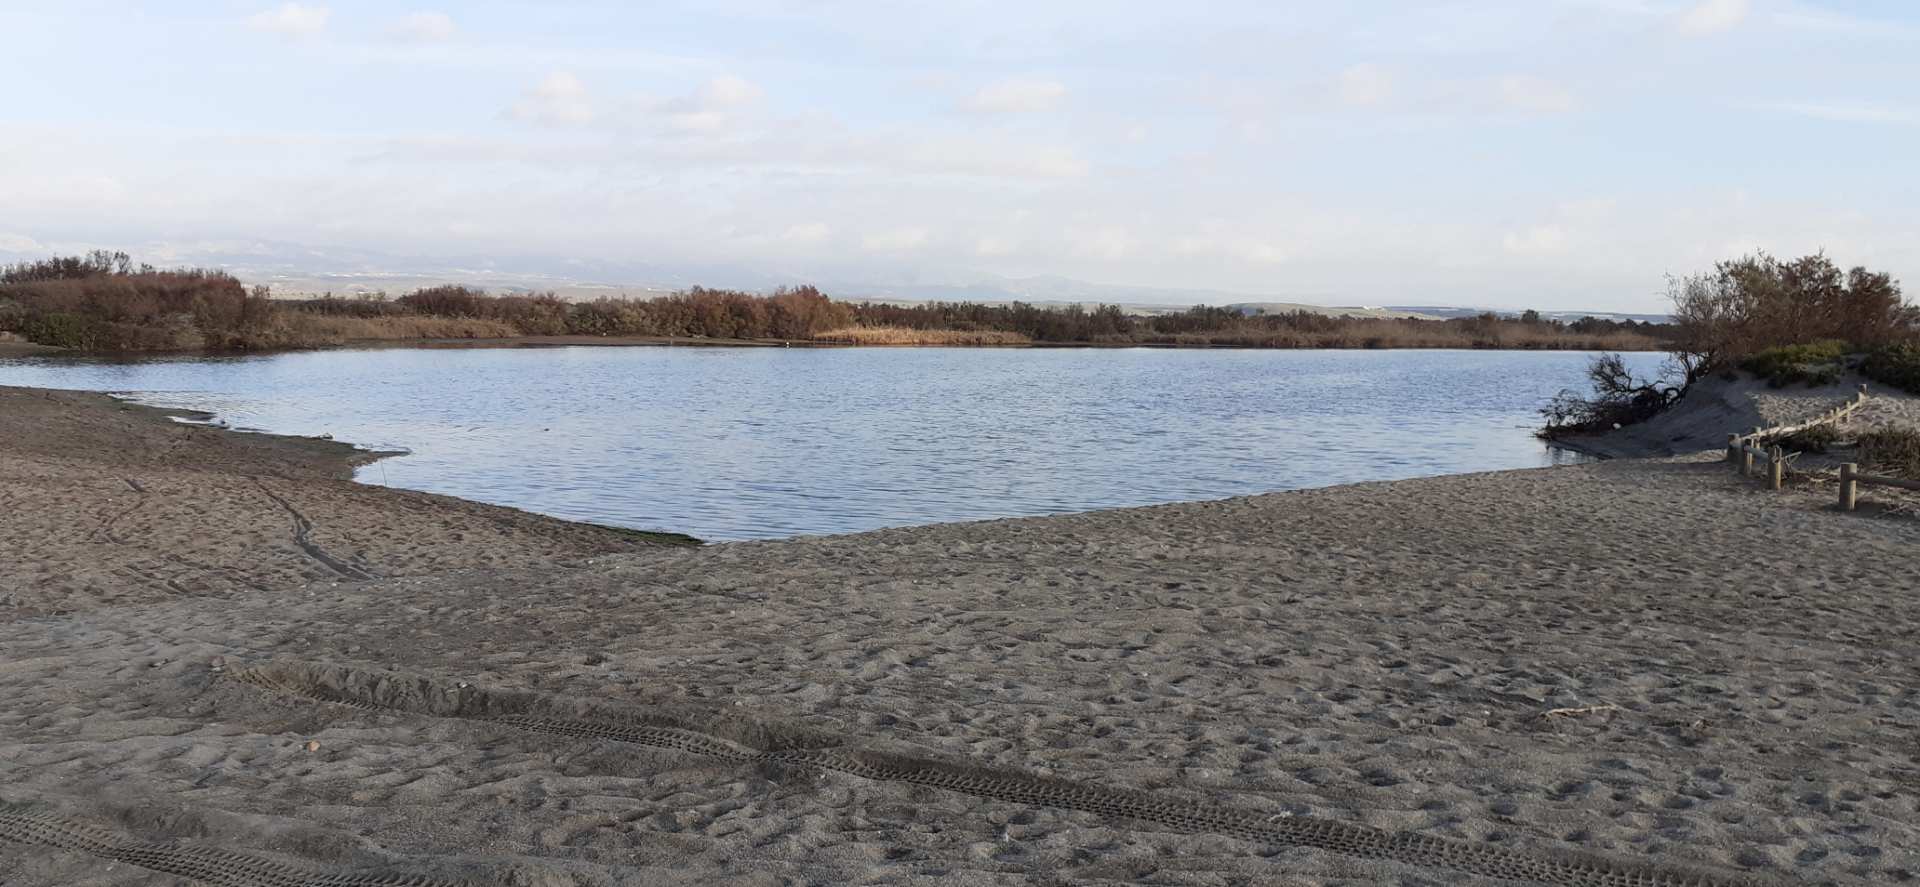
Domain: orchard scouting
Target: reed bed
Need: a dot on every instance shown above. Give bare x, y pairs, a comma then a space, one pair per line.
899, 335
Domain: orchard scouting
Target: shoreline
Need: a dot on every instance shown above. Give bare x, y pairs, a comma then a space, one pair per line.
1592, 650
78, 469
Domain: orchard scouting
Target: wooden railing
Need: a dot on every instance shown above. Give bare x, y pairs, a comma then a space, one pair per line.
1746, 451
1746, 455
1851, 480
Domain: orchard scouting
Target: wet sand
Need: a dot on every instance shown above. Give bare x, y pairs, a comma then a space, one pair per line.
110, 503
1649, 668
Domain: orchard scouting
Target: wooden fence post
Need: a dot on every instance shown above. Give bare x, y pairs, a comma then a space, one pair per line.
1849, 488
1746, 465
1733, 448
1776, 468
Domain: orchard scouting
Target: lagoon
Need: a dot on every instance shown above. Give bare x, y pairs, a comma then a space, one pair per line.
753, 443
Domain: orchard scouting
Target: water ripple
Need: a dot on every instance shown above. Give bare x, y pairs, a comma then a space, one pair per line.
757, 443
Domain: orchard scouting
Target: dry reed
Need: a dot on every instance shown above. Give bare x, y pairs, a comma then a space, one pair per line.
897, 335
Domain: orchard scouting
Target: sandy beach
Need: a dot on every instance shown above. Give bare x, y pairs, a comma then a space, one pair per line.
226, 663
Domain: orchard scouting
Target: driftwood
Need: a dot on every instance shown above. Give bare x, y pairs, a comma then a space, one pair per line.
1580, 710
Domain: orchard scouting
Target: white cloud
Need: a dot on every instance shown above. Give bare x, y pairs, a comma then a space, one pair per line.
291, 20
822, 146
1016, 97
79, 190
698, 121
1537, 240
1365, 84
808, 232
19, 243
1218, 245
1106, 243
994, 245
1264, 253
1713, 16
713, 107
424, 27
982, 158
895, 240
1533, 95
1849, 112
729, 92
560, 98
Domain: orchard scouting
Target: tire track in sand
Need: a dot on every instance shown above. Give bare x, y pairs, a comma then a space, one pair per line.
398, 693
30, 824
301, 530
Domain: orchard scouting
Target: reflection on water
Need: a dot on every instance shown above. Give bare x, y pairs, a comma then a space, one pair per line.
733, 443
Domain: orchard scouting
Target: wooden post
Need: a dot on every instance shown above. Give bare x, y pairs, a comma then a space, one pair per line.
1746, 466
1733, 448
1776, 468
1849, 488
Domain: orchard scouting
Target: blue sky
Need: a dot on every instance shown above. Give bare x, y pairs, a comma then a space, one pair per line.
1546, 153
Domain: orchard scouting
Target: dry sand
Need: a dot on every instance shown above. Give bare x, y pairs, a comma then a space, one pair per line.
1627, 666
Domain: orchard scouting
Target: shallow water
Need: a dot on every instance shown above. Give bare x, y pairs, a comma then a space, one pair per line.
747, 443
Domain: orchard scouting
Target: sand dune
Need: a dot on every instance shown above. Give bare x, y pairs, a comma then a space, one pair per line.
1630, 672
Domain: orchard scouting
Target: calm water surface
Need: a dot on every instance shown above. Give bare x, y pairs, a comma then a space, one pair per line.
744, 443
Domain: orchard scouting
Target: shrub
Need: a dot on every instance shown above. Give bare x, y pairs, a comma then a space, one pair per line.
1896, 365
119, 308
1811, 440
1618, 399
1748, 305
1895, 451
98, 263
376, 305
1816, 363
63, 330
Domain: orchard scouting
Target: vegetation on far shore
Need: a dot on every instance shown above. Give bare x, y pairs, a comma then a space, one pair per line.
104, 302
1788, 322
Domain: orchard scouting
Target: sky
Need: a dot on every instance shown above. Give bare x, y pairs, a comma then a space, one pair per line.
1555, 154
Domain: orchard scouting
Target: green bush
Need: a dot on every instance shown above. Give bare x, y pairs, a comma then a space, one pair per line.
1892, 451
1817, 363
1896, 365
62, 331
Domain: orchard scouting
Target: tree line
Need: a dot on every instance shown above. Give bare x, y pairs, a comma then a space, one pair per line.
103, 301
